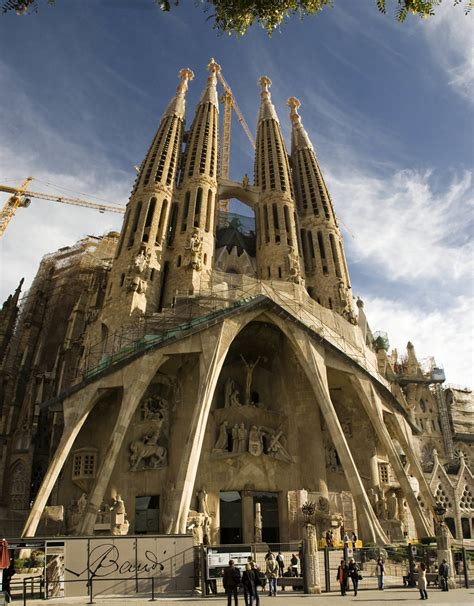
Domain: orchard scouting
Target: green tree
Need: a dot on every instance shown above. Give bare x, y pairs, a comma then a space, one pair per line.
236, 16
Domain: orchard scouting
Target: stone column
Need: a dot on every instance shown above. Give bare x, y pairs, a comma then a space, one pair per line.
374, 471
312, 359
248, 517
134, 389
373, 407
312, 578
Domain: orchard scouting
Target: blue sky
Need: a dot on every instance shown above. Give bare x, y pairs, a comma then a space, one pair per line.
389, 109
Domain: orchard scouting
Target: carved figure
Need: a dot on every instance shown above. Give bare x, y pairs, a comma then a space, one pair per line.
222, 439
154, 409
141, 261
392, 506
194, 248
331, 458
242, 434
293, 265
255, 441
381, 506
342, 292
245, 181
235, 438
250, 366
204, 509
81, 503
195, 524
147, 448
276, 448
138, 285
119, 524
372, 496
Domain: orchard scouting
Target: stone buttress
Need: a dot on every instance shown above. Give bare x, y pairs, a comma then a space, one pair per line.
327, 278
192, 222
278, 256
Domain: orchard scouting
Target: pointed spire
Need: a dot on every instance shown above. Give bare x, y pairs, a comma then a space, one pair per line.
177, 105
267, 111
299, 137
209, 94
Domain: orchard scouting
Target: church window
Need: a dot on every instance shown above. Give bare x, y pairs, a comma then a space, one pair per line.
172, 225
466, 528
269, 272
147, 514
184, 218
178, 261
84, 463
205, 258
383, 473
136, 219
267, 225
344, 264
197, 208
161, 222
334, 255
164, 152
276, 223
149, 219
286, 216
150, 160
174, 155
209, 210
322, 252
330, 303
311, 245
306, 257
212, 166
122, 279
230, 515
205, 143
279, 272
195, 139
152, 275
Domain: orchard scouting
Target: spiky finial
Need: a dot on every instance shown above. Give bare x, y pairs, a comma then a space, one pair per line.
294, 103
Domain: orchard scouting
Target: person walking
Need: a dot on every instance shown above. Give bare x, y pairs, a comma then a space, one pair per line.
443, 573
281, 564
271, 573
353, 572
250, 582
342, 575
380, 569
231, 580
422, 583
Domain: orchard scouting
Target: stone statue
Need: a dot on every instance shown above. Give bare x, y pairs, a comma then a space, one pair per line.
245, 181
372, 496
138, 285
242, 434
204, 509
294, 274
141, 261
381, 506
276, 448
342, 292
146, 452
255, 441
331, 458
250, 366
194, 249
82, 503
258, 523
73, 517
392, 506
235, 438
222, 439
119, 524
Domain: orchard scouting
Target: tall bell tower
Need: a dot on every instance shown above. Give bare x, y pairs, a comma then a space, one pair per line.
327, 278
278, 256
190, 239
134, 284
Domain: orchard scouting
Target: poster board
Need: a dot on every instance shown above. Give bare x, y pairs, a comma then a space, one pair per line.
218, 559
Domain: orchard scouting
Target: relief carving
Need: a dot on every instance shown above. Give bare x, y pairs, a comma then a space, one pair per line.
147, 452
194, 250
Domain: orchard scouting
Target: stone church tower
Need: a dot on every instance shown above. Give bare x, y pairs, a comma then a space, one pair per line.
245, 377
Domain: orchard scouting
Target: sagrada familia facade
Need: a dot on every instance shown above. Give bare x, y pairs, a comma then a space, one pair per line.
193, 369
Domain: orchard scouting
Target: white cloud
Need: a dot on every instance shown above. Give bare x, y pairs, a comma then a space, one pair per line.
445, 334
407, 226
449, 35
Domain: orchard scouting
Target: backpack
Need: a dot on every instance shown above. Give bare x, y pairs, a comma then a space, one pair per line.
236, 574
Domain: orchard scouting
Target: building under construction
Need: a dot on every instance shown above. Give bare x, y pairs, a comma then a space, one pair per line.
200, 363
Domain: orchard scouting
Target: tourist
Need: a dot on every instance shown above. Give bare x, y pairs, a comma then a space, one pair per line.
443, 574
380, 569
422, 583
354, 574
250, 582
342, 575
231, 580
271, 573
281, 564
7, 577
328, 539
354, 540
294, 565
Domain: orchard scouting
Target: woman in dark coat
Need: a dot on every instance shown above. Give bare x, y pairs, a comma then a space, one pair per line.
353, 571
250, 582
342, 574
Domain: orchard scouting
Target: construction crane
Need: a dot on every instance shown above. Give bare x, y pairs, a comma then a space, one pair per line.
230, 103
21, 198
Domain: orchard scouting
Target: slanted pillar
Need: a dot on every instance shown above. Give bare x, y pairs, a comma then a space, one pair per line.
313, 362
76, 412
132, 394
373, 407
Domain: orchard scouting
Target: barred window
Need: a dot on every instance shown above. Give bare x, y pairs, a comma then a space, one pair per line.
383, 473
84, 463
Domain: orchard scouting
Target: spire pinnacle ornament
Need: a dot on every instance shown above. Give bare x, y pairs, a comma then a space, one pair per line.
177, 104
267, 111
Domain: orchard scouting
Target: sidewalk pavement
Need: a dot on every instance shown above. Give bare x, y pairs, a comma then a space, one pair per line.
405, 597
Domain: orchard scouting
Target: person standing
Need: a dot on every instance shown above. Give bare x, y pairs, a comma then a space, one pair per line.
443, 574
281, 564
271, 573
422, 583
380, 569
354, 540
342, 575
353, 572
231, 580
294, 565
250, 584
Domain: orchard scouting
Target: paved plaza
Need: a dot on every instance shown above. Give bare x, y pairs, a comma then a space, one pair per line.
372, 597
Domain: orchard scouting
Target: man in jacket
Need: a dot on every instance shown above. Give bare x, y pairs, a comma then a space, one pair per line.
443, 573
231, 580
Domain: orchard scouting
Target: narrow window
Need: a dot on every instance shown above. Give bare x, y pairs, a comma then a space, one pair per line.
334, 255
152, 274
279, 272
197, 208
178, 261
205, 258
148, 219
330, 303
275, 217
209, 210
161, 222
287, 225
322, 252
172, 225
124, 230
306, 257
269, 272
184, 218
138, 210
122, 279
267, 226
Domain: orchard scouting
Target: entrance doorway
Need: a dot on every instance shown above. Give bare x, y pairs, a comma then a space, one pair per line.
231, 517
147, 514
270, 518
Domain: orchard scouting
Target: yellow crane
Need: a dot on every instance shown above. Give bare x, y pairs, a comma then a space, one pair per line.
229, 104
21, 198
